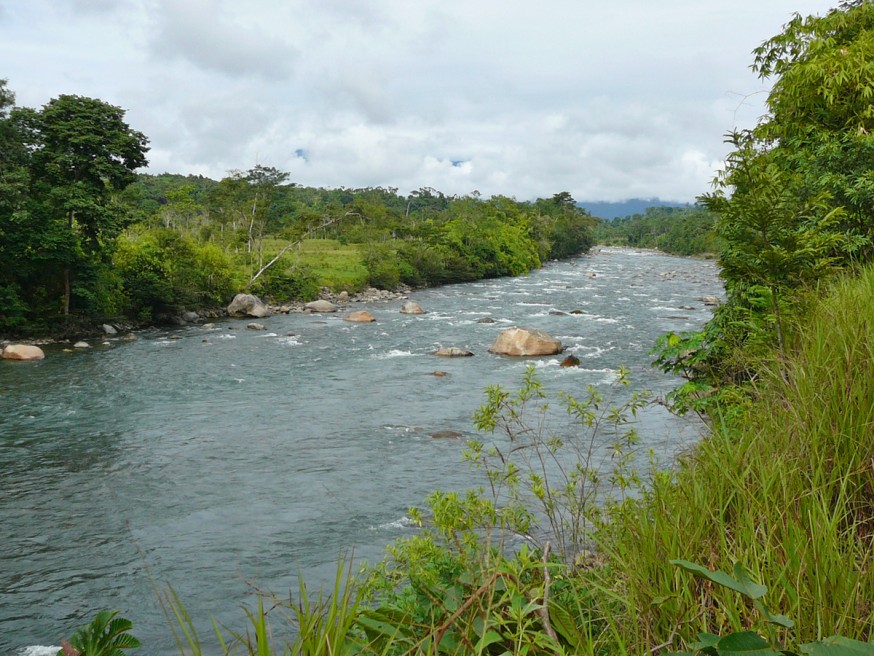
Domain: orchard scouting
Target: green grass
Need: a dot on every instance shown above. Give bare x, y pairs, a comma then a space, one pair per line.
786, 489
335, 265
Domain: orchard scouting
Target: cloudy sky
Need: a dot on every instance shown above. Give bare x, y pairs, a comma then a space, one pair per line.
607, 99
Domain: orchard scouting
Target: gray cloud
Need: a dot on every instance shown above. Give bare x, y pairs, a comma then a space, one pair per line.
208, 35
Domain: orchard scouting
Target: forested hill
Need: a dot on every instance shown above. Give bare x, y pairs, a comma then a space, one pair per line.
613, 210
675, 230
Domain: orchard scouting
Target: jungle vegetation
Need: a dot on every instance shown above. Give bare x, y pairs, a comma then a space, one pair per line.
83, 237
761, 539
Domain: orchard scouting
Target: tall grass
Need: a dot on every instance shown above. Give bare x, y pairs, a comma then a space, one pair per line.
323, 624
786, 488
335, 265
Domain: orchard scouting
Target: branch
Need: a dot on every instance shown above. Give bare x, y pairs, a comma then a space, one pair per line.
326, 221
544, 610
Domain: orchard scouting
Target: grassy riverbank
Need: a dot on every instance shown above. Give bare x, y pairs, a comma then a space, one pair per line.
784, 485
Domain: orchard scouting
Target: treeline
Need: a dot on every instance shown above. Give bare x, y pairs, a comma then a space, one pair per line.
83, 237
421, 239
795, 203
675, 230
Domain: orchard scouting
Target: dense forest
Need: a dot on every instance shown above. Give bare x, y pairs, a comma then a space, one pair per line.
674, 230
83, 237
760, 541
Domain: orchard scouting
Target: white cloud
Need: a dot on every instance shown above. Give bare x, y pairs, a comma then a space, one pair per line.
605, 100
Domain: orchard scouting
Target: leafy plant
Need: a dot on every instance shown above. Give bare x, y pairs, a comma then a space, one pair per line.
106, 635
750, 642
552, 478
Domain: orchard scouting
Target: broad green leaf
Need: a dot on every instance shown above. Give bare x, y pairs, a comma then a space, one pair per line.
779, 620
705, 640
746, 588
565, 625
838, 646
754, 590
743, 641
490, 638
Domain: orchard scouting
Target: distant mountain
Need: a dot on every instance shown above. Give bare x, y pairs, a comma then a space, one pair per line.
605, 210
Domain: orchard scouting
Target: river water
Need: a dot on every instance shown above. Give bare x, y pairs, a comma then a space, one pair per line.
213, 458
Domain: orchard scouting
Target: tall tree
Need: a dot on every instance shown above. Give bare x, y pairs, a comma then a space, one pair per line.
81, 153
796, 198
13, 192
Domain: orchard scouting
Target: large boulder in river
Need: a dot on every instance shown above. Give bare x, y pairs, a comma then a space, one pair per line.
23, 352
361, 316
320, 306
248, 305
411, 307
524, 342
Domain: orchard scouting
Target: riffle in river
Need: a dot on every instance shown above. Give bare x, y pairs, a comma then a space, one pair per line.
217, 457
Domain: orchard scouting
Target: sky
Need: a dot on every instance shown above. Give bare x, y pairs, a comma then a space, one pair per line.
607, 99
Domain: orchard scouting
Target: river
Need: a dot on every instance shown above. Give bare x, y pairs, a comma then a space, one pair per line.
213, 458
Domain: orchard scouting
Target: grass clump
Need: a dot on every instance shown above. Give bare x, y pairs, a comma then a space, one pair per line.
785, 486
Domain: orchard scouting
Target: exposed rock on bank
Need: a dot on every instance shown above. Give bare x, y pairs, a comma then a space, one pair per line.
525, 342
321, 305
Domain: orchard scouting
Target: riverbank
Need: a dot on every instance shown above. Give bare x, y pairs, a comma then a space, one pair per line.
111, 327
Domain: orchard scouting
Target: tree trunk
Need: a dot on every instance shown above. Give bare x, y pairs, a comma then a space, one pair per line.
67, 291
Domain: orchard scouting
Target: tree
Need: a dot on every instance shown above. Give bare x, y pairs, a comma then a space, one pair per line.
796, 199
821, 113
13, 192
81, 154
774, 235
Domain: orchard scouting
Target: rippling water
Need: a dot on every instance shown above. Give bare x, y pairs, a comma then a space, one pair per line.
218, 457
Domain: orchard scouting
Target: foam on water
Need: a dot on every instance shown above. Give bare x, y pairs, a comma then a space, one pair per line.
398, 524
38, 650
394, 353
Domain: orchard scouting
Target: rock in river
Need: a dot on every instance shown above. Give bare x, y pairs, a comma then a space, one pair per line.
452, 352
411, 307
361, 316
525, 342
248, 305
23, 352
